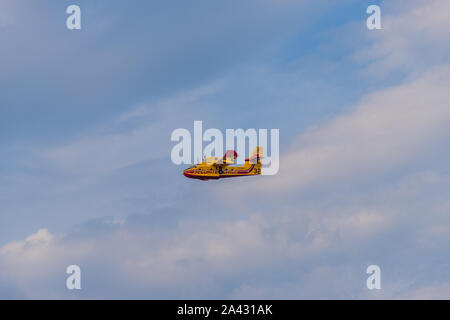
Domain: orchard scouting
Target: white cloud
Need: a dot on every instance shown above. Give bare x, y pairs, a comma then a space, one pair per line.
386, 130
434, 292
100, 151
193, 254
413, 37
40, 239
30, 265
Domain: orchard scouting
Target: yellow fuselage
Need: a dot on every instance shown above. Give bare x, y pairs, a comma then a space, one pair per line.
204, 171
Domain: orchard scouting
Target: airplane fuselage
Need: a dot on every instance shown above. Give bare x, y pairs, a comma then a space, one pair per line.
217, 172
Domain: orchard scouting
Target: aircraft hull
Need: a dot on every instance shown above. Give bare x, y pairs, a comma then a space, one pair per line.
253, 170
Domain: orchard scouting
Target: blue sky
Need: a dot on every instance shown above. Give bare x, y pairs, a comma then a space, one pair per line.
85, 170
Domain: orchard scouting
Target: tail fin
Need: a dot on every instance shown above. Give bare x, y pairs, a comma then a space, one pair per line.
256, 156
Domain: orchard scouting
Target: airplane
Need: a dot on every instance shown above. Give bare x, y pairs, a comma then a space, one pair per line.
217, 168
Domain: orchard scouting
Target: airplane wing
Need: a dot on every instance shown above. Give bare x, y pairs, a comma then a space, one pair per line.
228, 158
212, 160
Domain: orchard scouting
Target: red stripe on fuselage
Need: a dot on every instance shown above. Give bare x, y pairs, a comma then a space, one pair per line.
191, 174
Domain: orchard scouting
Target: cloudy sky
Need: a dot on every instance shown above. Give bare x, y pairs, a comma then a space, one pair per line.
85, 170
